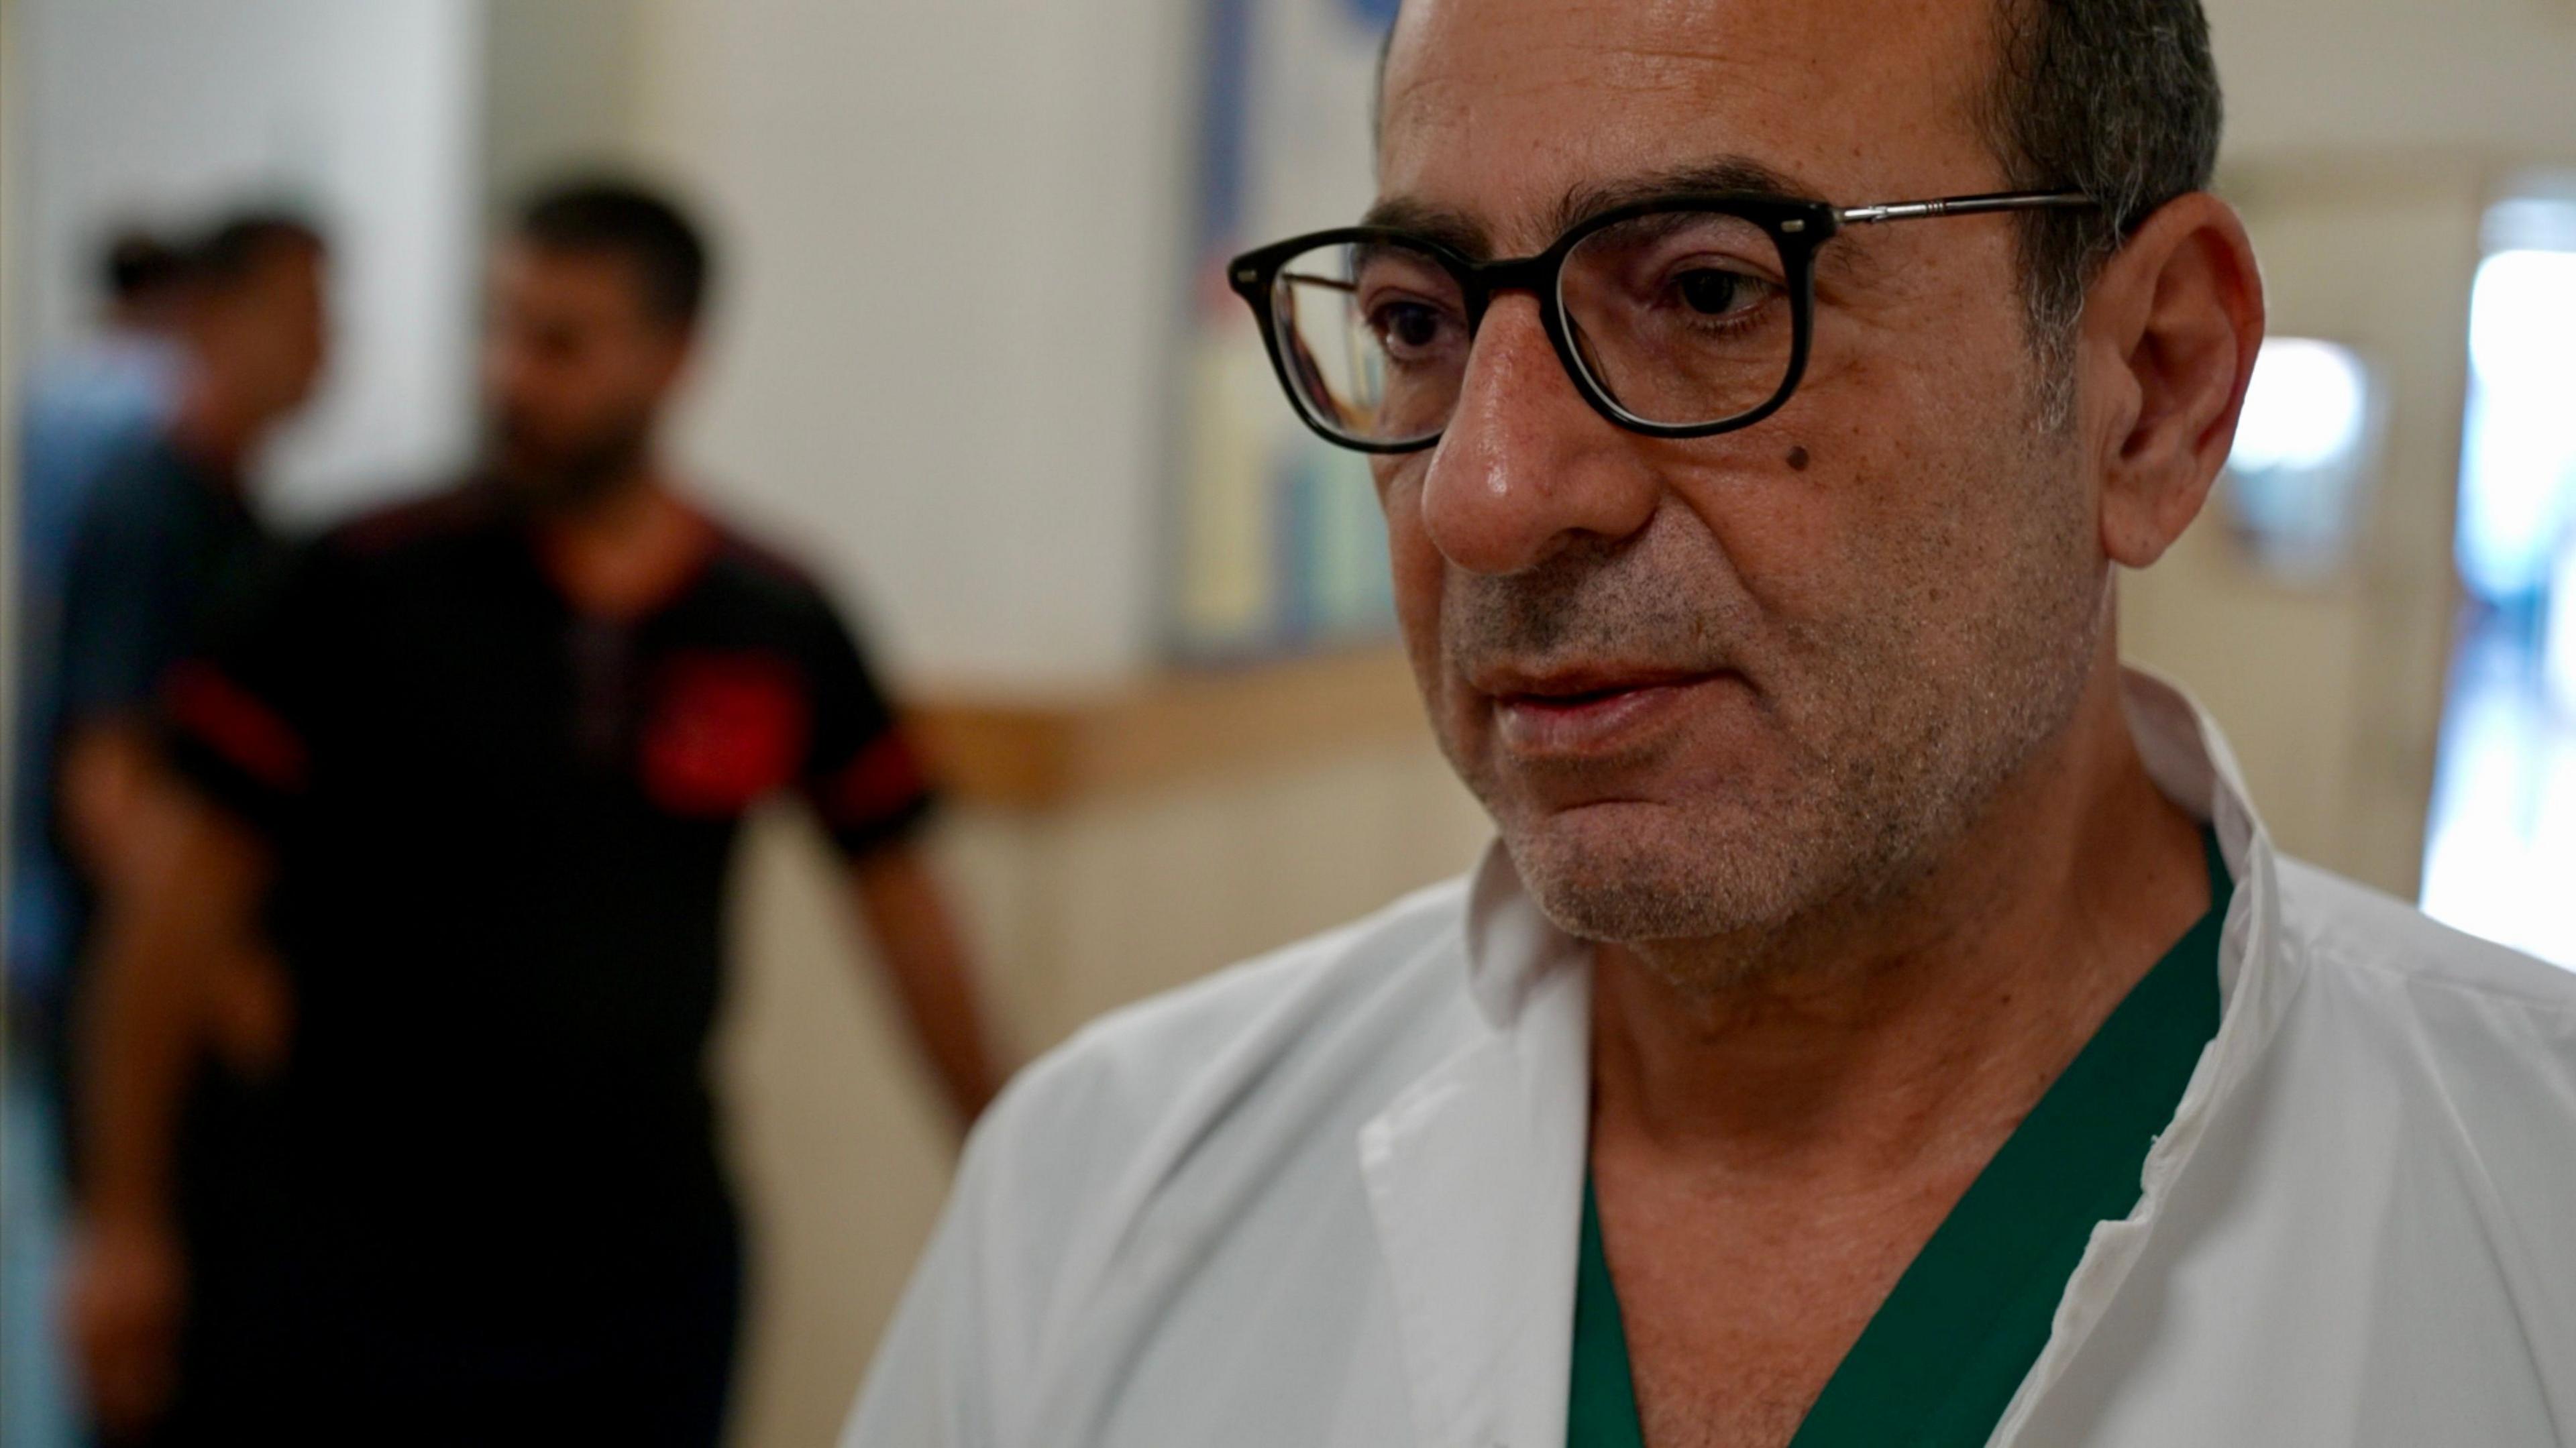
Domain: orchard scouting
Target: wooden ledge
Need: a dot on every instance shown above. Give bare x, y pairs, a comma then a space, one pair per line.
1041, 754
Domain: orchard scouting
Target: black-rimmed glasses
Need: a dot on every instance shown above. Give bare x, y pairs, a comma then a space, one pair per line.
1678, 317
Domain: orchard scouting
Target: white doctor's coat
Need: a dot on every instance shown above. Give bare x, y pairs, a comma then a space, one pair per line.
1329, 1199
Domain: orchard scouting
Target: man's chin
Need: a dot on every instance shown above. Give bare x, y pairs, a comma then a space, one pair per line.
1627, 872
546, 485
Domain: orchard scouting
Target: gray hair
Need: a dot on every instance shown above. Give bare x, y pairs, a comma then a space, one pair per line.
2115, 98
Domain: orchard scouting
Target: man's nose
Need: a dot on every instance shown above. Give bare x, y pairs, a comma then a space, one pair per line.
1526, 465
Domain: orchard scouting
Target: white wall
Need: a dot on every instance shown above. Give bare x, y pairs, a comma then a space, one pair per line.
364, 114
559, 82
2365, 76
953, 231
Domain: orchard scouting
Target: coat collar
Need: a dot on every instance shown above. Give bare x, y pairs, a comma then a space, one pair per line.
2259, 974
1475, 1178
1475, 1171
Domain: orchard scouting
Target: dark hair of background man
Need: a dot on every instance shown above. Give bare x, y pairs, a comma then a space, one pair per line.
137, 265
239, 245
622, 219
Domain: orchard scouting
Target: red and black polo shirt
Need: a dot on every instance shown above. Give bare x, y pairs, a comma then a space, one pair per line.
503, 832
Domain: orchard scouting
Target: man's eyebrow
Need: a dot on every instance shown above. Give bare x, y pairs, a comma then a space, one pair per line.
1584, 200
1453, 229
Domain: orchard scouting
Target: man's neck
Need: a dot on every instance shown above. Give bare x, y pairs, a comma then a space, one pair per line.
1931, 1023
626, 550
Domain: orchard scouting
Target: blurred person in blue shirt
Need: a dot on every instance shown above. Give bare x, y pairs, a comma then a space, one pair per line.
163, 527
83, 408
134, 448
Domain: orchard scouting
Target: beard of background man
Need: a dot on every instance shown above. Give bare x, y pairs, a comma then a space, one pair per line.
551, 473
1903, 709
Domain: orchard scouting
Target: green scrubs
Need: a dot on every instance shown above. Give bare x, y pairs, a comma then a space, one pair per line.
1942, 1358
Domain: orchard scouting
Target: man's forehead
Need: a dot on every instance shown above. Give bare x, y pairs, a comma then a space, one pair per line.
1502, 112
586, 278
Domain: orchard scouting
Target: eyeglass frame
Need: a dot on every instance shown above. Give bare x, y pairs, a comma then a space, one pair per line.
1797, 227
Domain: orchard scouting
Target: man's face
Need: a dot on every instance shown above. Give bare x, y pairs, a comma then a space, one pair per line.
270, 334
575, 370
1710, 686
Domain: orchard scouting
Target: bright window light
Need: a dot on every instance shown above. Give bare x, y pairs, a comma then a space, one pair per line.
2307, 407
2300, 472
2520, 467
2558, 634
2520, 320
2501, 843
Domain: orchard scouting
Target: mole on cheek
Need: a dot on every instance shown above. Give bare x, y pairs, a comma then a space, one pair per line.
1798, 459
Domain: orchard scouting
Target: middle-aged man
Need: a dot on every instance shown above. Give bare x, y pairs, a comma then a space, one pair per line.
1883, 1020
467, 784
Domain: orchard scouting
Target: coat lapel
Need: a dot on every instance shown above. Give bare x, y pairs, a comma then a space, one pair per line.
1475, 1177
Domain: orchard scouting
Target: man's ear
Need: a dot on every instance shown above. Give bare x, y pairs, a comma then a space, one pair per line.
2171, 328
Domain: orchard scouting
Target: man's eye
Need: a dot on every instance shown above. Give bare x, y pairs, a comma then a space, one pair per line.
1406, 326
1714, 293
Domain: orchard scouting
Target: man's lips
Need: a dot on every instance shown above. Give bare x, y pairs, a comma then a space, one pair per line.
1590, 711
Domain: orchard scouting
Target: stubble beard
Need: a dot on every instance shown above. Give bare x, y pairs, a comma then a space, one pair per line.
1902, 723
548, 481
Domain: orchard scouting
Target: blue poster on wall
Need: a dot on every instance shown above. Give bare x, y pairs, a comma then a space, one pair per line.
1279, 543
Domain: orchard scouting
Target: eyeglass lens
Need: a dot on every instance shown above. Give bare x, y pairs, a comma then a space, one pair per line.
1680, 318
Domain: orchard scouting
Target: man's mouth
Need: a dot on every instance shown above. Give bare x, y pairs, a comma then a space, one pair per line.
1572, 712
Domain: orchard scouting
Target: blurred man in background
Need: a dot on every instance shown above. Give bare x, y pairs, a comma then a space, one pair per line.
166, 526
473, 770
218, 342
83, 411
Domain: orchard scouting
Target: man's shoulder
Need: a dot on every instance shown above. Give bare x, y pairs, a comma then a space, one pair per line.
2363, 937
2410, 1004
746, 571
1349, 1015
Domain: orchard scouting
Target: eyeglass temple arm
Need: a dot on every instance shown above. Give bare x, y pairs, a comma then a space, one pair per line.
1964, 206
